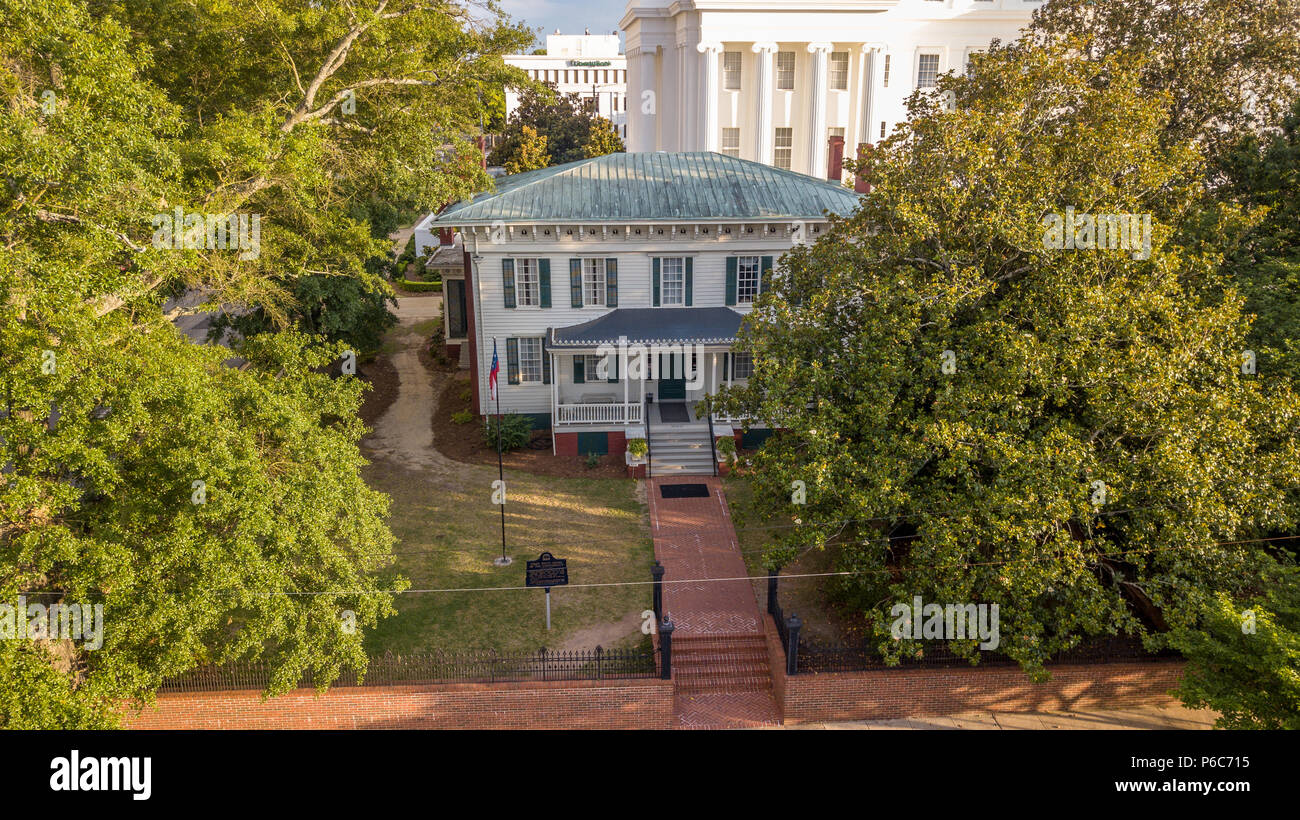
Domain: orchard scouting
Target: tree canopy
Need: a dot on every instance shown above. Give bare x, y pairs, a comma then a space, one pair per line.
213, 511
572, 130
980, 415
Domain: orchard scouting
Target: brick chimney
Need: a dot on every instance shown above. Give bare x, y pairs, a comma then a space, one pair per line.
861, 184
835, 164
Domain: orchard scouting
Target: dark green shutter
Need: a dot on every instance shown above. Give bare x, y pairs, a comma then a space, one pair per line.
508, 281
655, 282
688, 277
726, 363
546, 366
579, 369
611, 283
732, 273
512, 361
764, 274
544, 280
575, 282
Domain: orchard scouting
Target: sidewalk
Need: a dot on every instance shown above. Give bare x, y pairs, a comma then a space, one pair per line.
1148, 717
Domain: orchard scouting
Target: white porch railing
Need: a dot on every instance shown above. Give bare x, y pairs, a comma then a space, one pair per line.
616, 413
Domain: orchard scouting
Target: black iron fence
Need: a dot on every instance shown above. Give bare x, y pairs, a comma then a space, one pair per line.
805, 656
816, 658
471, 667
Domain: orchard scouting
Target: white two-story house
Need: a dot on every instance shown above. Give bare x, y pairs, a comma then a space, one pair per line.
613, 289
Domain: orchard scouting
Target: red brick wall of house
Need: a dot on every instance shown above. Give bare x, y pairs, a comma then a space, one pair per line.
897, 693
452, 351
617, 444
566, 444
625, 704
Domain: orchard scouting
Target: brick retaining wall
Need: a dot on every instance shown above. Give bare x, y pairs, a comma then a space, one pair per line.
896, 693
607, 704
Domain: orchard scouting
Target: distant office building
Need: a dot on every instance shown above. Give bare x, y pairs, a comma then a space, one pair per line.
588, 65
798, 85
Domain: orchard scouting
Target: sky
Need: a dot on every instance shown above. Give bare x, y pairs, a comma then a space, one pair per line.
569, 16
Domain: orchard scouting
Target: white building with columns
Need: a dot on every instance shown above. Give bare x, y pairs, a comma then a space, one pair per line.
788, 82
589, 65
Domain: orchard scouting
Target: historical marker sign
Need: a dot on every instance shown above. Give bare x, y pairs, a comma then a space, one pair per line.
548, 571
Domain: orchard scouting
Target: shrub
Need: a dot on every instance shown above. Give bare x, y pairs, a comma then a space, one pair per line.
462, 417
467, 394
593, 461
727, 449
516, 430
638, 447
420, 287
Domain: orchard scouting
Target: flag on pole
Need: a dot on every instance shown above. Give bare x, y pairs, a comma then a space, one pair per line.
496, 368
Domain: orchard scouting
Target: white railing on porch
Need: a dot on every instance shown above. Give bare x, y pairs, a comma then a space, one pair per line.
618, 413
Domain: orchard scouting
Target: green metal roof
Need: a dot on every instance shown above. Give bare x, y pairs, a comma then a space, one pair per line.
653, 187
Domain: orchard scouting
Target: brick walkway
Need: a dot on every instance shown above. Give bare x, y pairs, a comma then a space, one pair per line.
720, 680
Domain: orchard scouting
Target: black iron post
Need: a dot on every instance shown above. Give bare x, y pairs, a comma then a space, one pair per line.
657, 573
666, 647
792, 650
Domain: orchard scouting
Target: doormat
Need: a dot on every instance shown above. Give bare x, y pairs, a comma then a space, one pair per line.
673, 413
684, 490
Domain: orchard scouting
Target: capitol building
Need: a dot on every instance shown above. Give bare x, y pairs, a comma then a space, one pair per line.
797, 85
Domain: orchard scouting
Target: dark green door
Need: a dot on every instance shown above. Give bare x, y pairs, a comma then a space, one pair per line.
672, 389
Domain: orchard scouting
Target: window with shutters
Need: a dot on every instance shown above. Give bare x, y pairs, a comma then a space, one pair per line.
527, 285
783, 153
673, 281
747, 272
731, 142
885, 77
731, 70
530, 361
785, 70
839, 71
593, 282
742, 365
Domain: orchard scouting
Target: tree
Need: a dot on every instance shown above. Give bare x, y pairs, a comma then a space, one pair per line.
1242, 657
531, 153
980, 418
604, 139
1263, 174
213, 512
572, 129
1227, 65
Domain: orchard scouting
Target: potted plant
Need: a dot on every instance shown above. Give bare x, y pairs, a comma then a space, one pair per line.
637, 449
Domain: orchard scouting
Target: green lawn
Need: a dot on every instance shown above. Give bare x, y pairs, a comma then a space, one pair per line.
806, 597
449, 532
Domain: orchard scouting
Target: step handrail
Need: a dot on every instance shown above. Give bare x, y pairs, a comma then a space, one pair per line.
713, 444
649, 456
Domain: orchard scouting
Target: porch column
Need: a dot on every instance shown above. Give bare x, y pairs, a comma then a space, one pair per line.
765, 135
820, 83
555, 400
627, 413
870, 82
711, 134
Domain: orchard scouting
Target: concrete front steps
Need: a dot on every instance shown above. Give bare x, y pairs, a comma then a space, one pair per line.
681, 449
723, 681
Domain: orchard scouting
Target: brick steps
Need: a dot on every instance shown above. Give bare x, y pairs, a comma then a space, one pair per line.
720, 664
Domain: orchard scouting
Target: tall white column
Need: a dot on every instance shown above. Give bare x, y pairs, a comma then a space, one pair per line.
820, 83
643, 116
764, 127
711, 136
870, 92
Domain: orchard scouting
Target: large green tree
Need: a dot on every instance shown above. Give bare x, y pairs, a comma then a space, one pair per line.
980, 417
573, 131
213, 511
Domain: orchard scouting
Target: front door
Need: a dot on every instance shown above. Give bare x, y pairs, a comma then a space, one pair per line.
672, 390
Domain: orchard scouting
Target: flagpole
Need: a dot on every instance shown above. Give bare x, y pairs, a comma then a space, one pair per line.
504, 560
